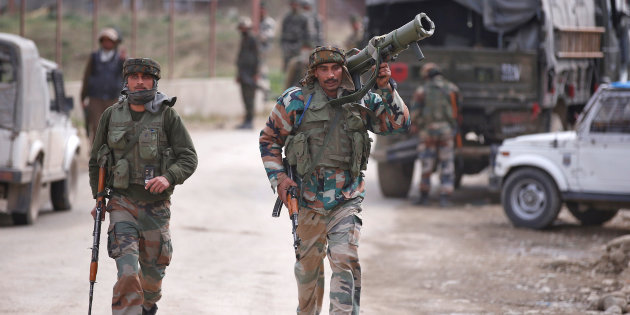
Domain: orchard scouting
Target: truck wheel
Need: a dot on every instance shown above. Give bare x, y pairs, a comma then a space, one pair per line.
591, 216
530, 198
395, 178
28, 199
63, 193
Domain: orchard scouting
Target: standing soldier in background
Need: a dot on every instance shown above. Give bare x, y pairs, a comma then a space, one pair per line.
328, 145
148, 151
434, 114
267, 29
294, 28
313, 22
102, 79
248, 69
355, 38
266, 35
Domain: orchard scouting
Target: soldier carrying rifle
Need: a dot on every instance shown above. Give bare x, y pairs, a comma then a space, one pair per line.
148, 151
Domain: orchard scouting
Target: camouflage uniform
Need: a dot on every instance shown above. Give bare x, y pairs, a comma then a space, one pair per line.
433, 115
313, 23
138, 234
296, 70
294, 29
329, 220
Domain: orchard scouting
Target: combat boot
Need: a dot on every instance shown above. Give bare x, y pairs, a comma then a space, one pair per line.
152, 311
423, 200
245, 125
445, 201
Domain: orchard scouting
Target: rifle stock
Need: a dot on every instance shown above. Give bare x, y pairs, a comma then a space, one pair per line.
293, 206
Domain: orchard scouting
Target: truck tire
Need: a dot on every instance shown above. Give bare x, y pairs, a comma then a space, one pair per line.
530, 198
28, 199
589, 215
63, 193
395, 178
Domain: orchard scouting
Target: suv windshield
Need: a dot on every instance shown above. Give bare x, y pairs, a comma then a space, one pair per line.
8, 86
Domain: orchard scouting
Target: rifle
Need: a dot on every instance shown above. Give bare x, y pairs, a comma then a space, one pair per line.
293, 208
100, 201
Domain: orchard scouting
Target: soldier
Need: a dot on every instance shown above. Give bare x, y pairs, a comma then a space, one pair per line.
328, 145
102, 79
266, 35
313, 22
267, 29
355, 39
149, 151
248, 69
434, 114
298, 65
294, 28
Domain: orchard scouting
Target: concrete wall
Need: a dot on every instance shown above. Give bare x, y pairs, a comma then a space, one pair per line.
217, 97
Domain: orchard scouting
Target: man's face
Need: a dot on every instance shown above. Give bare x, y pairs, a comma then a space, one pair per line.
329, 76
107, 44
138, 81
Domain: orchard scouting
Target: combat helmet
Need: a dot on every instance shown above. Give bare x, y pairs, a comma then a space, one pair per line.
142, 65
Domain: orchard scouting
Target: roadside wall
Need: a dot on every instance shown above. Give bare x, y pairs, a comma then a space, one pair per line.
199, 98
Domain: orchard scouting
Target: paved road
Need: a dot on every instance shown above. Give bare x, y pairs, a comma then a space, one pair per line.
232, 257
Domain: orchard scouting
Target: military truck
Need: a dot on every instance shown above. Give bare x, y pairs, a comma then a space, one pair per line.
522, 67
39, 147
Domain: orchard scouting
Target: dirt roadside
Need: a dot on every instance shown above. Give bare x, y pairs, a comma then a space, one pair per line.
470, 260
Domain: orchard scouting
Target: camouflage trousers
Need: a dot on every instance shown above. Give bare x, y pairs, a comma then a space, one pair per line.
336, 235
437, 146
140, 242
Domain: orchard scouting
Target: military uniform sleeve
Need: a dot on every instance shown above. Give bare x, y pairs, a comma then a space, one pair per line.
392, 115
180, 141
277, 129
100, 138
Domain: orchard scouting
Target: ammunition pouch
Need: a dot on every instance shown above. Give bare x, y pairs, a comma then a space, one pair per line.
121, 174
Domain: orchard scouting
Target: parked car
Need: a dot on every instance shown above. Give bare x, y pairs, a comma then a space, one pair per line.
587, 169
39, 145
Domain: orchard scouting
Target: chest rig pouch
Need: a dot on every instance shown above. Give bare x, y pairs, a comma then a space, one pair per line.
139, 148
333, 136
437, 106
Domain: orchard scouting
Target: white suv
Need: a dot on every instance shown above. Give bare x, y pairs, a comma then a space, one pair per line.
38, 144
588, 169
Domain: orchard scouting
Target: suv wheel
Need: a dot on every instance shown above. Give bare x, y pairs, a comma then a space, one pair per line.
395, 178
63, 192
530, 198
590, 216
28, 199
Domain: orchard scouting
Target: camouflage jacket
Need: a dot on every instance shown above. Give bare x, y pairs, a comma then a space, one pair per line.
432, 103
327, 187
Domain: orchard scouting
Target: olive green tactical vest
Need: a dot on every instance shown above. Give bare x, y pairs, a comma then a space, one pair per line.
348, 147
149, 152
437, 104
